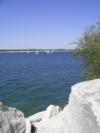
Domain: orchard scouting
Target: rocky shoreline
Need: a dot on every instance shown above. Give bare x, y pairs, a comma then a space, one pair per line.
81, 115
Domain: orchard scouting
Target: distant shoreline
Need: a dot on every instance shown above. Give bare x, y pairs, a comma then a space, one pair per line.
35, 50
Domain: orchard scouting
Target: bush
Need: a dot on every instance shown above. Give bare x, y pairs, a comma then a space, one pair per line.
88, 46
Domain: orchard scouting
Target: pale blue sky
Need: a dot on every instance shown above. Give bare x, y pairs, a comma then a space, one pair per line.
45, 23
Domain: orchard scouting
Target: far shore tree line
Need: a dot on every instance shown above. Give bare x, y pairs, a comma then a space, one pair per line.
88, 46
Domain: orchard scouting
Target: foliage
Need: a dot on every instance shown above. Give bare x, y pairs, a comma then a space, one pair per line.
89, 48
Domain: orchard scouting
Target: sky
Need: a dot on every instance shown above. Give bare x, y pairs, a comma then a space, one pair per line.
45, 23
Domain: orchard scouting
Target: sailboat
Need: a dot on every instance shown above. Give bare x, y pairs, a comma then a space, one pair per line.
37, 52
47, 51
27, 52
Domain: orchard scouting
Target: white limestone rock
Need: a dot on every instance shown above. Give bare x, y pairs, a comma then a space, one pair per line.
82, 114
51, 111
28, 126
39, 120
11, 120
33, 120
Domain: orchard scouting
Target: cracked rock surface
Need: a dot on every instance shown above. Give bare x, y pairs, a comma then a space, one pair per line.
11, 120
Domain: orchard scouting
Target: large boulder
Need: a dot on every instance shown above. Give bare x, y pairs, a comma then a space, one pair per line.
82, 114
11, 120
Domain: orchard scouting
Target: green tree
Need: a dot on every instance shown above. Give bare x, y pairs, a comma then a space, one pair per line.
88, 46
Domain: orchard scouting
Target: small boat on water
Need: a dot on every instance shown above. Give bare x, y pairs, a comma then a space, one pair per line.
47, 51
37, 52
27, 52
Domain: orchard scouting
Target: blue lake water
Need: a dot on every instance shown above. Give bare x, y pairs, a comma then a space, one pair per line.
31, 82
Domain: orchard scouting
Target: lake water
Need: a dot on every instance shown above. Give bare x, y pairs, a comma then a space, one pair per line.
31, 82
